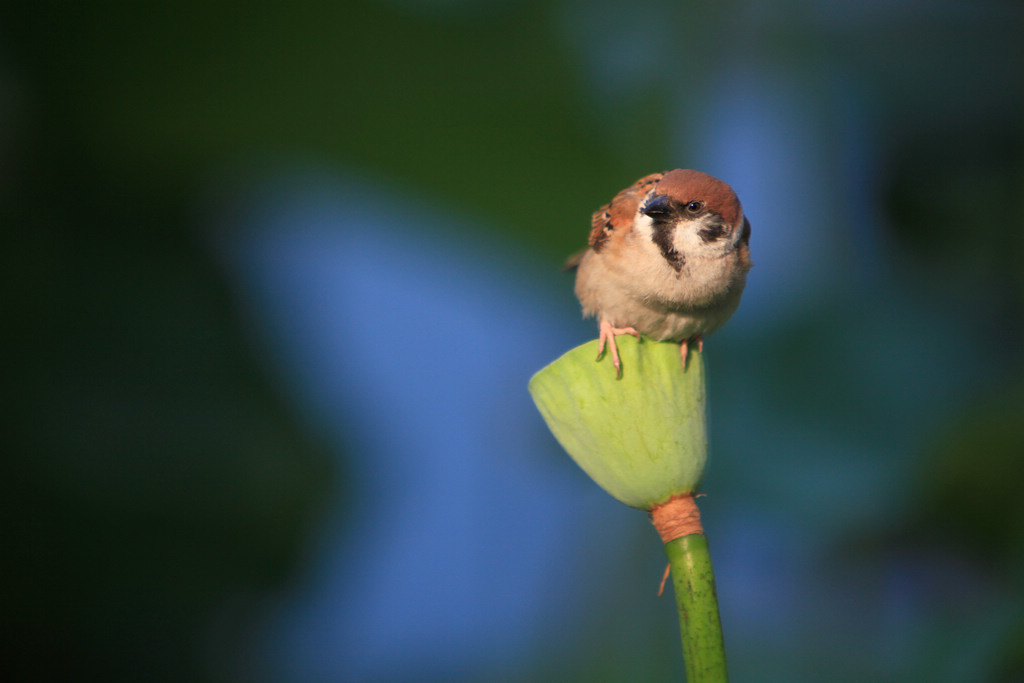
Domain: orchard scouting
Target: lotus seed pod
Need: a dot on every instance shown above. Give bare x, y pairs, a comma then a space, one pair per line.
642, 438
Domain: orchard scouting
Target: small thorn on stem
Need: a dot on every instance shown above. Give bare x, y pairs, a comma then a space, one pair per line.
664, 578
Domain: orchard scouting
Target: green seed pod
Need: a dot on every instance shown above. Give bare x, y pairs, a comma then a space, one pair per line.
643, 437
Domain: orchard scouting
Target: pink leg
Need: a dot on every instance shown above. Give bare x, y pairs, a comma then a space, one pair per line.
607, 337
684, 348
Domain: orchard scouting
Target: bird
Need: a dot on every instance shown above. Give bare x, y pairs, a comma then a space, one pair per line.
668, 258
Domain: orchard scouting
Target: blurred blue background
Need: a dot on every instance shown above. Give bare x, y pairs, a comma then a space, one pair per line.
276, 277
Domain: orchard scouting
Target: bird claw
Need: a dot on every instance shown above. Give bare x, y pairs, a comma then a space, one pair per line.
684, 348
607, 337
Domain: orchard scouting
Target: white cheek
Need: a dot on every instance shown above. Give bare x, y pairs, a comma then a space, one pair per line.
643, 229
685, 239
644, 226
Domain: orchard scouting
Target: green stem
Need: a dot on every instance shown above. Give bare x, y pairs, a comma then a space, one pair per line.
699, 623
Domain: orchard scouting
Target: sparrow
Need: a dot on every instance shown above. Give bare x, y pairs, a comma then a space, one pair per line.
668, 259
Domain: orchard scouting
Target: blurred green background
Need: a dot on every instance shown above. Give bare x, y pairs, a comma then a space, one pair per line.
178, 494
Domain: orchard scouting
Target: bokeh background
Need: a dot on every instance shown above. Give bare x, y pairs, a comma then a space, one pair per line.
275, 276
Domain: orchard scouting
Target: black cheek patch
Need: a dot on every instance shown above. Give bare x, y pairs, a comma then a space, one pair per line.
712, 230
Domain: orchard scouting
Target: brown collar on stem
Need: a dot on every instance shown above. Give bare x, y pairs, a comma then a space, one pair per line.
676, 517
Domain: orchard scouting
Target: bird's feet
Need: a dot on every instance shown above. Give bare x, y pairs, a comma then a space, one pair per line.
684, 348
607, 337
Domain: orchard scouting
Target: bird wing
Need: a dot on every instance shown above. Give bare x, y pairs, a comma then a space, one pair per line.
617, 215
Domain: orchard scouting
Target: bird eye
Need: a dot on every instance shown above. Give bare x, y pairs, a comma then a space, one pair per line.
695, 206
